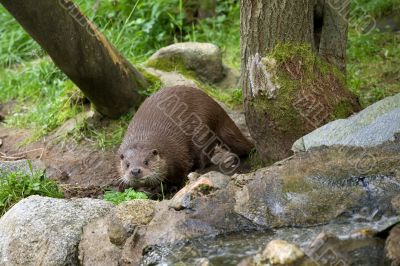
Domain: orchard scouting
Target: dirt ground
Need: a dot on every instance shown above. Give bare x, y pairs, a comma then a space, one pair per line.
81, 170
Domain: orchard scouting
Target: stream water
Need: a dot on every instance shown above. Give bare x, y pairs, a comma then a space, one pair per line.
230, 249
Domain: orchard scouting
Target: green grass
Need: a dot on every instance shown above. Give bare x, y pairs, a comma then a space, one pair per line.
44, 96
16, 186
119, 197
16, 45
373, 65
102, 136
375, 8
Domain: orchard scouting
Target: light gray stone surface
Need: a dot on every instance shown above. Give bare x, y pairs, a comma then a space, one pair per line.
46, 231
371, 127
21, 166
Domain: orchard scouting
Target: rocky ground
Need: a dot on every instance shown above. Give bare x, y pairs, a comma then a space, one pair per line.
352, 178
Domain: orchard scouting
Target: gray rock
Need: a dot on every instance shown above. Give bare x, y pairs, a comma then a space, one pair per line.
203, 185
392, 247
21, 166
46, 231
108, 240
170, 79
320, 186
311, 188
204, 59
375, 125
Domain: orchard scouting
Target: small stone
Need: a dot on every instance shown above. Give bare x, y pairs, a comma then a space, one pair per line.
280, 252
135, 212
193, 176
201, 262
200, 187
116, 232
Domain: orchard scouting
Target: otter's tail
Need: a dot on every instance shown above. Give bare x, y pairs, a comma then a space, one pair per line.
231, 136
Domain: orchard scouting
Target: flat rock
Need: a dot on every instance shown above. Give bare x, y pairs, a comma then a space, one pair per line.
375, 125
22, 166
46, 231
170, 79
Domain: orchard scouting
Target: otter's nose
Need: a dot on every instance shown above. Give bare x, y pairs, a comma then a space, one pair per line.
136, 172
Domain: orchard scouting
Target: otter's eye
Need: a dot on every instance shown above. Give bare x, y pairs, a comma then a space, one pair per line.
146, 162
127, 165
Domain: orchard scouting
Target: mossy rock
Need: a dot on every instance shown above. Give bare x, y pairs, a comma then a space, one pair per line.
198, 60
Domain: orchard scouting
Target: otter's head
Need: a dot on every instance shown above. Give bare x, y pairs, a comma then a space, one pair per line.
142, 168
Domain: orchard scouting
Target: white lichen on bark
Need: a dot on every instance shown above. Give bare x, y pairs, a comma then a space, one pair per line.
260, 78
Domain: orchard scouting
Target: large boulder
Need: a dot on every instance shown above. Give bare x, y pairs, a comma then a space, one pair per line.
46, 231
204, 60
375, 125
321, 186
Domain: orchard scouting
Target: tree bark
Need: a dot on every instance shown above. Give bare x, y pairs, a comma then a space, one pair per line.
265, 24
83, 53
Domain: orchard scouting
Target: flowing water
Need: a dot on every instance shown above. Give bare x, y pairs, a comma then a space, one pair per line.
230, 249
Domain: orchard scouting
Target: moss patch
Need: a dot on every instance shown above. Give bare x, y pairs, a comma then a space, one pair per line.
171, 64
310, 91
342, 110
155, 83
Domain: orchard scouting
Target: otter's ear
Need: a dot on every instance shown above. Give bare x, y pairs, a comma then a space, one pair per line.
121, 156
154, 152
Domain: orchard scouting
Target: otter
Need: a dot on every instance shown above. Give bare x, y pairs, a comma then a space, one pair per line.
175, 131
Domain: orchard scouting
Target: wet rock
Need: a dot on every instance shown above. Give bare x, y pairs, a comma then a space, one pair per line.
46, 231
280, 252
357, 249
392, 247
375, 125
319, 187
203, 59
202, 186
201, 262
22, 166
396, 203
108, 240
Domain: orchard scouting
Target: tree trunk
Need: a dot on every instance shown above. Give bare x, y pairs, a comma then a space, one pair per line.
268, 24
107, 79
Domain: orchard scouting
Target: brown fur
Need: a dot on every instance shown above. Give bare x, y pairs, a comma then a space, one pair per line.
181, 126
